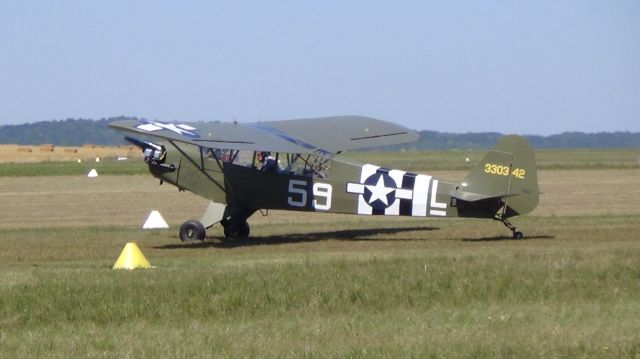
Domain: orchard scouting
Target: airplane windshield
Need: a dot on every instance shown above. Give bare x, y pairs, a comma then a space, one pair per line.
307, 165
240, 158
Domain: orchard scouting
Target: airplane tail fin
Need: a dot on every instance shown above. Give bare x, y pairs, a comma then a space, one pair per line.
505, 180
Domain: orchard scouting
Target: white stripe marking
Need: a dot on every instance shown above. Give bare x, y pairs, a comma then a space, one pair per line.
434, 192
420, 195
434, 203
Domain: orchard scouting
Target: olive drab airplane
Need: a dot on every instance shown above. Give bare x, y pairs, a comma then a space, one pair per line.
296, 165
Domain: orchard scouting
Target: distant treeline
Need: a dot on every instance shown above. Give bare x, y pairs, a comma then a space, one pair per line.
77, 132
69, 132
431, 140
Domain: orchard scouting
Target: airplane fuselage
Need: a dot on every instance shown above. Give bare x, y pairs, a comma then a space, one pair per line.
329, 184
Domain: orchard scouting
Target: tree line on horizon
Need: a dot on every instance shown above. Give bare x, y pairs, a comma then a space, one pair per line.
78, 132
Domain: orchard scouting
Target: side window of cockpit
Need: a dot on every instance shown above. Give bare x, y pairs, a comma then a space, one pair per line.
227, 157
266, 161
213, 154
306, 165
320, 166
243, 158
296, 164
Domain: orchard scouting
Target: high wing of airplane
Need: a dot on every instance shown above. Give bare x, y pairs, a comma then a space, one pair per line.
296, 165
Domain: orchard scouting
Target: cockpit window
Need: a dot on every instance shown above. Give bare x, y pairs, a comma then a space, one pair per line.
307, 165
236, 157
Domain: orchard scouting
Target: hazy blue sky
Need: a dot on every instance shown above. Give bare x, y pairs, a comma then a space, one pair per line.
536, 67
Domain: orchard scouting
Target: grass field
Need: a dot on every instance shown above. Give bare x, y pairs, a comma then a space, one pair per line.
429, 161
314, 285
13, 163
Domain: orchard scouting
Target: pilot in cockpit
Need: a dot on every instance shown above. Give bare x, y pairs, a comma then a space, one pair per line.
269, 163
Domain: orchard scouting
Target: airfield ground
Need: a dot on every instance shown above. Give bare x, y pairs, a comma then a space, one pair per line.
317, 285
25, 153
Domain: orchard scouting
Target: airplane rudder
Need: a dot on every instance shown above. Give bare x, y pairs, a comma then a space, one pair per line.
524, 159
524, 174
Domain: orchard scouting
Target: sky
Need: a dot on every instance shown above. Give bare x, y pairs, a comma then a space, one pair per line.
528, 67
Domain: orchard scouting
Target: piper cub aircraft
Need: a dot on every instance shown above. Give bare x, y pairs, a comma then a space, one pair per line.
296, 165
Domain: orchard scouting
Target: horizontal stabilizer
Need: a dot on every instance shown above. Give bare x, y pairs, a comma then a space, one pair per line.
472, 197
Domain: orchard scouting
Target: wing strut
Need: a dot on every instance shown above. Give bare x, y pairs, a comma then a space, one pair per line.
185, 155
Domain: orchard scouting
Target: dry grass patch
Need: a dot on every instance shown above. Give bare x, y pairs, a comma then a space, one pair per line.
23, 154
127, 200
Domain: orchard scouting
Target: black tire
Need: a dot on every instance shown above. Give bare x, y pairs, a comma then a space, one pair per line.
191, 230
518, 235
244, 230
241, 230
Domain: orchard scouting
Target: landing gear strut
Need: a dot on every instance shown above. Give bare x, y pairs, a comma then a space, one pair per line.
236, 230
516, 233
234, 222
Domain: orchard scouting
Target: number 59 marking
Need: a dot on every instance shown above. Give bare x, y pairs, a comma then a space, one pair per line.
298, 195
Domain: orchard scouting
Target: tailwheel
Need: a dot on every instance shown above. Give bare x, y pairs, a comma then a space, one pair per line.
237, 230
516, 233
191, 230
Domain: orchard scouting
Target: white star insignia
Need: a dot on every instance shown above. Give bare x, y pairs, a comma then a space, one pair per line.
180, 129
379, 191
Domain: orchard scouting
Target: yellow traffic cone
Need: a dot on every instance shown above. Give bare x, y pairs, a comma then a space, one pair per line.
131, 258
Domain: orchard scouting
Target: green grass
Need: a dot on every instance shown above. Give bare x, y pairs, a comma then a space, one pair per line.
72, 168
620, 158
408, 289
409, 161
545, 159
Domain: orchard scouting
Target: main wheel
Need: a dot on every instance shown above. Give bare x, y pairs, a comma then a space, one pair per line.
518, 235
241, 230
191, 230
